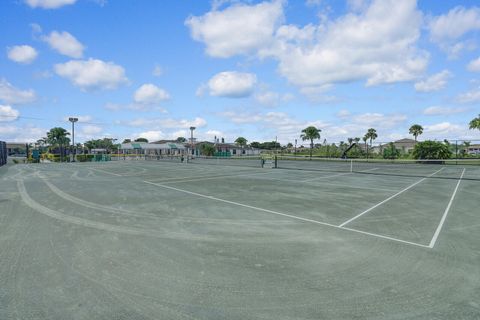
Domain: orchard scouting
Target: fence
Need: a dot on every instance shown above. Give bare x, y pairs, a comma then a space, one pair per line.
3, 153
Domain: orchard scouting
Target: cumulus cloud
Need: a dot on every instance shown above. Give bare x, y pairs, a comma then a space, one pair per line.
64, 43
49, 4
166, 123
443, 111
436, 82
151, 135
7, 113
239, 29
11, 95
150, 94
447, 30
157, 70
377, 44
474, 65
230, 84
271, 98
471, 96
92, 74
89, 131
27, 133
22, 54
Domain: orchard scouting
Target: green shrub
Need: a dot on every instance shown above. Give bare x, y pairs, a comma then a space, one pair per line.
431, 150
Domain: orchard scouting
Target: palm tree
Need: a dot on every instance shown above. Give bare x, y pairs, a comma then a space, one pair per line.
350, 141
475, 123
372, 135
416, 130
310, 133
58, 137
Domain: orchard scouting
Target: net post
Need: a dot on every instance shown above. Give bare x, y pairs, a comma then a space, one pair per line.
275, 162
351, 165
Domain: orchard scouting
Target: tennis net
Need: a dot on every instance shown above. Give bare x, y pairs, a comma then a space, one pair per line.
244, 161
446, 169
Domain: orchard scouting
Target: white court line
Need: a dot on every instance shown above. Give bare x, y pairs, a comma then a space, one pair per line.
447, 209
389, 198
115, 174
286, 215
211, 178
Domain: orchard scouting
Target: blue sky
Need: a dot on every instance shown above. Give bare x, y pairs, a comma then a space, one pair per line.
258, 69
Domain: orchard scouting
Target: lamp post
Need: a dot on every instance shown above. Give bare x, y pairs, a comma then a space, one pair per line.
73, 120
191, 138
295, 152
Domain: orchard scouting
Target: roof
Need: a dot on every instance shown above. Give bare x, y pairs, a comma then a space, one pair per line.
405, 140
151, 146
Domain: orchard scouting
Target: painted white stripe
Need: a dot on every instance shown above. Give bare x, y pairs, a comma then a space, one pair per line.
447, 209
385, 237
389, 198
286, 215
239, 204
202, 178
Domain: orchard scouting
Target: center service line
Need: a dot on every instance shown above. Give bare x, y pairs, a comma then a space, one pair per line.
389, 198
447, 209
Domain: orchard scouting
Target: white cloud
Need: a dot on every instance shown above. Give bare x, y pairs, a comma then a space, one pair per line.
271, 98
134, 106
447, 29
64, 43
471, 96
150, 94
436, 111
474, 65
436, 82
343, 113
49, 4
27, 133
239, 29
442, 128
379, 120
22, 54
92, 74
377, 44
89, 131
7, 114
166, 123
11, 95
231, 84
152, 135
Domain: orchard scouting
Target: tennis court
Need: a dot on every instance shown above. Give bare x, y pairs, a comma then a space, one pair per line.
213, 239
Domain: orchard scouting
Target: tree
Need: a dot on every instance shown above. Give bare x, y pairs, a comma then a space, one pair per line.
181, 140
416, 130
431, 150
57, 137
289, 145
141, 140
127, 141
372, 135
208, 149
350, 141
241, 141
475, 123
255, 144
310, 133
391, 152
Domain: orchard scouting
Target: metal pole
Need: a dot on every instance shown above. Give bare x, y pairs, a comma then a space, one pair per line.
73, 120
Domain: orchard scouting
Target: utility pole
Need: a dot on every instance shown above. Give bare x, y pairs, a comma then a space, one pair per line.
191, 139
73, 120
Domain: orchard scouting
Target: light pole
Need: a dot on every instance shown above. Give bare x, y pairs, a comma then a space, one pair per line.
191, 138
295, 152
73, 120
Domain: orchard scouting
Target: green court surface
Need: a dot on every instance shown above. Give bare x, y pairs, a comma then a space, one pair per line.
165, 240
